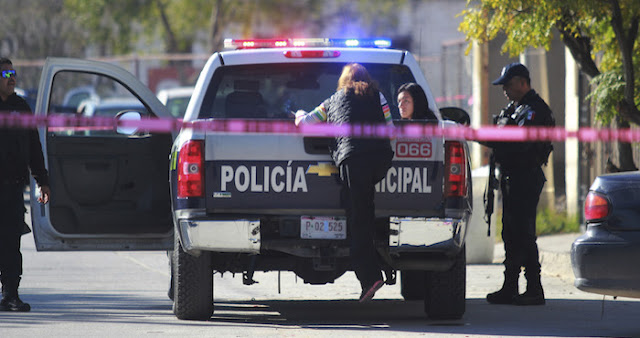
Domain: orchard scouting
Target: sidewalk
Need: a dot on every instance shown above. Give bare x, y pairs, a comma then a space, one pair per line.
555, 254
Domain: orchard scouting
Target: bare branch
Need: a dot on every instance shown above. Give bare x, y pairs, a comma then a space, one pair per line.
580, 48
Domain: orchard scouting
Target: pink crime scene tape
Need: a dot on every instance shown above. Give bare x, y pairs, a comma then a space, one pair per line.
60, 122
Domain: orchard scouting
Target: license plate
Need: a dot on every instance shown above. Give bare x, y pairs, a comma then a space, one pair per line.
323, 227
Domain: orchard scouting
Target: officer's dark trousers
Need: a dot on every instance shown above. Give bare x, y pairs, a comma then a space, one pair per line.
359, 175
520, 195
11, 226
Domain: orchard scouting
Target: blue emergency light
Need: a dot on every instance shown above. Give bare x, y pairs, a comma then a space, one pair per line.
306, 42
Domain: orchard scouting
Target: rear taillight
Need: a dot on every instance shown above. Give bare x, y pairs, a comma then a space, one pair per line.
455, 170
596, 207
190, 167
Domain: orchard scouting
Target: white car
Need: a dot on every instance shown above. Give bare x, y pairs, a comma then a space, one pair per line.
111, 106
176, 99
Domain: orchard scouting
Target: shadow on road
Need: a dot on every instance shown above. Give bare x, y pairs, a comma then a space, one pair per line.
560, 317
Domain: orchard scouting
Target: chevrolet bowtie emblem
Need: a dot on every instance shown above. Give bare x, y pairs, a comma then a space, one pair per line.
322, 169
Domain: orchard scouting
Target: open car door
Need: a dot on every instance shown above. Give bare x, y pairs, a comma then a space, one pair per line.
109, 191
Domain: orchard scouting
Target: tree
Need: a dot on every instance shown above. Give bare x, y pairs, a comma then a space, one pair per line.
260, 19
115, 25
286, 18
600, 34
110, 26
25, 36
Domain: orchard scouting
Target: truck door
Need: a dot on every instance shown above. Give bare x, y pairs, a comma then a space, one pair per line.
109, 191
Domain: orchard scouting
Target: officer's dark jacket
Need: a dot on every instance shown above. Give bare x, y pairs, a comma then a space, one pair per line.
530, 111
345, 107
20, 149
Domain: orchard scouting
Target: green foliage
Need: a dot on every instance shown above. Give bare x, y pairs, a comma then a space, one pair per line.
551, 222
526, 23
587, 23
184, 20
608, 92
109, 24
531, 23
116, 25
548, 222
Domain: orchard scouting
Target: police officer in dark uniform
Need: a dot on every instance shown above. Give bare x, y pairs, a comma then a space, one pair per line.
521, 182
20, 151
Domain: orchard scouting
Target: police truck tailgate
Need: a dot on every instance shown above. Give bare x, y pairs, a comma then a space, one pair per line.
277, 174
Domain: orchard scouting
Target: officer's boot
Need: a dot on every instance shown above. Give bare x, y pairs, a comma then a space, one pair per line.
509, 289
10, 299
534, 295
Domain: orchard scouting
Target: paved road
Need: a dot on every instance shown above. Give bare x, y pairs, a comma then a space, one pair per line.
124, 294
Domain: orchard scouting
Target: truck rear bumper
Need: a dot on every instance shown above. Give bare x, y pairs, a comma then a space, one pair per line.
425, 243
415, 234
222, 235
407, 234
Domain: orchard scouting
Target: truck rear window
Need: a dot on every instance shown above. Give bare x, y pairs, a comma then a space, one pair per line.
273, 91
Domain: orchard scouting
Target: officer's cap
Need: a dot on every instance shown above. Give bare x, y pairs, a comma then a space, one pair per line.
511, 70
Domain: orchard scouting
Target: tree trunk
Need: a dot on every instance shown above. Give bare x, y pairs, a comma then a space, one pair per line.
625, 151
580, 48
215, 37
627, 111
172, 43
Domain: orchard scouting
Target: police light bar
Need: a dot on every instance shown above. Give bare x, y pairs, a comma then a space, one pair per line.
308, 42
310, 54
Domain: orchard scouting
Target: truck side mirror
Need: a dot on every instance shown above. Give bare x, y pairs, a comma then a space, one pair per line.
128, 115
455, 114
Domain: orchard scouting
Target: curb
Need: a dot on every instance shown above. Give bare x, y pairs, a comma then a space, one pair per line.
557, 264
555, 255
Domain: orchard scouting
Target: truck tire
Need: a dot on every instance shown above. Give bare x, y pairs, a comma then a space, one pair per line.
192, 284
412, 284
445, 293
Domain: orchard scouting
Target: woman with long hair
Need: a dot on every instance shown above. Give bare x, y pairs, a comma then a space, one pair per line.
413, 103
363, 162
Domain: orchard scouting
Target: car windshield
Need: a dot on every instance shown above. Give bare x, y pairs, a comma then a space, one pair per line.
178, 105
273, 91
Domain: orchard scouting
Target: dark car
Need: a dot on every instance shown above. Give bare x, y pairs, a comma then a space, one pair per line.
605, 258
29, 95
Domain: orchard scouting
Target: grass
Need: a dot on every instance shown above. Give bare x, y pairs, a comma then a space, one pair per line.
548, 222
551, 222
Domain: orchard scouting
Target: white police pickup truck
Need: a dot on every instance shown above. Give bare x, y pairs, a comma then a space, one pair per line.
246, 202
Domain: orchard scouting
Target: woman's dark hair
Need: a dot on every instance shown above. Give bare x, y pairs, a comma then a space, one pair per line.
421, 108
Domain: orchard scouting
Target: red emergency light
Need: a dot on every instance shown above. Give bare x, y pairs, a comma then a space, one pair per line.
305, 42
255, 43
